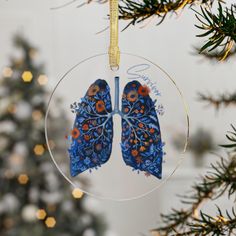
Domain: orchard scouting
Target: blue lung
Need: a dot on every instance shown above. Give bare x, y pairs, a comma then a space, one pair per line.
92, 132
141, 135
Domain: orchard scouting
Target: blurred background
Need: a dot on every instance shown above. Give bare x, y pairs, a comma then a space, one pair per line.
38, 45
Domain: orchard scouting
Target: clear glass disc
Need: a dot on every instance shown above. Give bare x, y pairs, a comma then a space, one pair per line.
115, 179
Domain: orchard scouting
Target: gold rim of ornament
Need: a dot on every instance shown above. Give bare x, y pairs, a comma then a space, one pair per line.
187, 120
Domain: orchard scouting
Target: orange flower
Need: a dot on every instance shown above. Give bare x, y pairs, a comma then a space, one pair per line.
85, 127
152, 131
142, 148
140, 125
139, 160
143, 90
93, 90
98, 147
86, 137
126, 110
134, 153
100, 106
132, 96
75, 133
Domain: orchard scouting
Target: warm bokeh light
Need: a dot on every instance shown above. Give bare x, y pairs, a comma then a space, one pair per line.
77, 193
11, 108
23, 179
41, 214
7, 72
37, 115
42, 79
50, 222
39, 149
27, 76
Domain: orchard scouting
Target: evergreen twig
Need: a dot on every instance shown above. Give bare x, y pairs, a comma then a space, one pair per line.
212, 186
220, 100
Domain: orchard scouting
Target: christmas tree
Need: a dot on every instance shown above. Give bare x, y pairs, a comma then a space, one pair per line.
34, 198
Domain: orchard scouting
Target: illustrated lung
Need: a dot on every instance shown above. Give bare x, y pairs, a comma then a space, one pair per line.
92, 132
141, 136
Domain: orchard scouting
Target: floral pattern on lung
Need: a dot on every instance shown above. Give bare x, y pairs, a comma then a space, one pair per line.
142, 147
92, 133
93, 129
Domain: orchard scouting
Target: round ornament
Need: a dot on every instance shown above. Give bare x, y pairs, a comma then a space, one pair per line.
122, 126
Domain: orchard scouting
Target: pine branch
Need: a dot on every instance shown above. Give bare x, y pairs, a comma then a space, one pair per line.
219, 101
214, 55
139, 11
231, 136
212, 186
219, 225
220, 29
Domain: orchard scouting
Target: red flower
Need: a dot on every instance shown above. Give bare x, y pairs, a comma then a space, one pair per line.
75, 133
143, 90
100, 106
85, 127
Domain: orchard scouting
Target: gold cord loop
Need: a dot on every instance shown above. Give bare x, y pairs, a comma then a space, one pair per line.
114, 51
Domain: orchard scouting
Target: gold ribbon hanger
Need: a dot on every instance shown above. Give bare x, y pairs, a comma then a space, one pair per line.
114, 51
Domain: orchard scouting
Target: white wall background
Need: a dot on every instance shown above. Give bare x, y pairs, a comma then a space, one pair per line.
69, 35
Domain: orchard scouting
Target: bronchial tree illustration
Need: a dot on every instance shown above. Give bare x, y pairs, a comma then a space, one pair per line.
34, 198
93, 129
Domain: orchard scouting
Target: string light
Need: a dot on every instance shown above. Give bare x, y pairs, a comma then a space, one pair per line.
27, 76
77, 193
42, 79
39, 150
7, 72
41, 214
50, 222
23, 179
